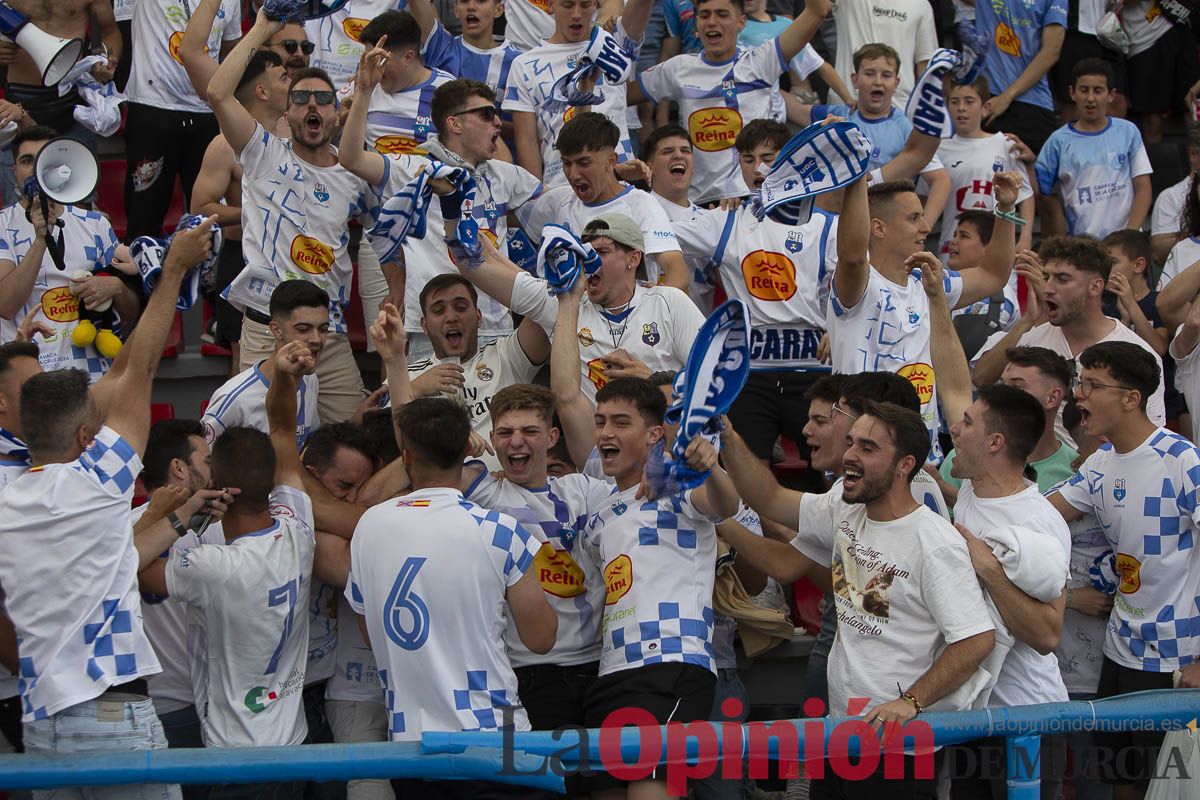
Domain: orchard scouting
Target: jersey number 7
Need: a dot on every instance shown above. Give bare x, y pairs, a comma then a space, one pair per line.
275, 597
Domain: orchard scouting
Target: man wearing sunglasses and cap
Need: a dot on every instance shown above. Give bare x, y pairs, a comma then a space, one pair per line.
295, 206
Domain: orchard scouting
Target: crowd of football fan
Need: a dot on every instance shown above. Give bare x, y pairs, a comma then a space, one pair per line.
984, 442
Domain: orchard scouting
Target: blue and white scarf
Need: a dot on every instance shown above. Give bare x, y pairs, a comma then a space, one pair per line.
562, 258
148, 254
10, 445
404, 213
819, 159
603, 52
716, 370
926, 106
300, 10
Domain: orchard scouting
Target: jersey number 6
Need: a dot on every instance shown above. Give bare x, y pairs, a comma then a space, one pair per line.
401, 601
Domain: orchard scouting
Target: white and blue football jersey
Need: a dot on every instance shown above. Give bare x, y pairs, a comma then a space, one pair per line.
444, 51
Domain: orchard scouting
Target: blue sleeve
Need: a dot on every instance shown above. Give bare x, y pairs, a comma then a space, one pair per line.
820, 111
671, 15
1046, 168
438, 50
1055, 13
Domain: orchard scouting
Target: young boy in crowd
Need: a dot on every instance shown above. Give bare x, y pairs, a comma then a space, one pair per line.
971, 156
1098, 163
1133, 301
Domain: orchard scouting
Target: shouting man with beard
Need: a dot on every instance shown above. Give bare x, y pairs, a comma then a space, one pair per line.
296, 203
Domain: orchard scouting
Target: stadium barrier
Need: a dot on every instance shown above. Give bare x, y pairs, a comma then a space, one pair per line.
520, 758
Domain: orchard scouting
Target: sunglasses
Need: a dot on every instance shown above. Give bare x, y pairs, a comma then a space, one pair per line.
488, 113
299, 97
291, 46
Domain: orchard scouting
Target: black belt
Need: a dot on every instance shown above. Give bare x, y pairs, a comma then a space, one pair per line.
135, 686
257, 316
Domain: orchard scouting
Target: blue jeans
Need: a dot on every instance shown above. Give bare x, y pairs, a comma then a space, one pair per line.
110, 723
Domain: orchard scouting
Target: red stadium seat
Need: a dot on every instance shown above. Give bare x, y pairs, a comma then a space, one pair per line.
161, 411
111, 193
207, 348
806, 603
792, 464
356, 329
203, 407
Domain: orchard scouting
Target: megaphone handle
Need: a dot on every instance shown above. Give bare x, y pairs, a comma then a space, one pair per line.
53, 246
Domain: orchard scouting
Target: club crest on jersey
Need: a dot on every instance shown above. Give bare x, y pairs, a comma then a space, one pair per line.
913, 316
619, 507
585, 337
321, 192
1119, 489
1119, 161
650, 334
484, 372
794, 243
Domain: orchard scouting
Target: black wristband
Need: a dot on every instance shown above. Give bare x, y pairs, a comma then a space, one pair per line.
179, 527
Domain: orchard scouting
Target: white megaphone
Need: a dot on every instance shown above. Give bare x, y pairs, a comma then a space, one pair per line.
53, 55
65, 172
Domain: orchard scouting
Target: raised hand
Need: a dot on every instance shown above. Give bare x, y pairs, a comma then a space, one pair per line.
295, 359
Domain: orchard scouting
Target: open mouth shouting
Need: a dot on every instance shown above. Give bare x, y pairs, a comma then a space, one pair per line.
313, 123
609, 453
851, 477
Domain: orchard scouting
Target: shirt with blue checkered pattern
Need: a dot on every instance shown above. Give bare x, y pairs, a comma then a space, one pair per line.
659, 560
69, 571
1145, 501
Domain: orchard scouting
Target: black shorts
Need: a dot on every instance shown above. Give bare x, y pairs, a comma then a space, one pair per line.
229, 320
1033, 124
553, 695
774, 403
671, 692
1159, 78
1128, 757
1076, 47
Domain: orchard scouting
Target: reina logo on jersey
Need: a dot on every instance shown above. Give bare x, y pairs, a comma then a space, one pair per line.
618, 579
1007, 41
312, 255
59, 305
353, 27
921, 376
558, 573
769, 276
595, 372
714, 129
650, 334
397, 145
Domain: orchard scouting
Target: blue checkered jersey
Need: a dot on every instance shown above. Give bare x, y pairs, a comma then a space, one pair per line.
1145, 501
242, 400
88, 244
69, 571
430, 572
659, 558
445, 51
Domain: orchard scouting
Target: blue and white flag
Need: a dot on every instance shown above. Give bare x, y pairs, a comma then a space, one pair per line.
148, 254
603, 52
821, 158
716, 370
10, 445
404, 213
926, 106
562, 258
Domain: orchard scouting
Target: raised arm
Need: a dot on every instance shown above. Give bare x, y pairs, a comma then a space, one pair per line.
105, 24
755, 483
673, 270
525, 132
993, 273
426, 16
291, 362
636, 15
216, 172
1177, 296
575, 411
803, 28
352, 155
235, 121
989, 365
918, 151
777, 559
717, 496
954, 388
17, 279
853, 238
192, 50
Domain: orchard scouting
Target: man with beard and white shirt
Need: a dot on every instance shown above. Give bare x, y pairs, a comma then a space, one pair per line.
465, 114
296, 202
910, 609
994, 437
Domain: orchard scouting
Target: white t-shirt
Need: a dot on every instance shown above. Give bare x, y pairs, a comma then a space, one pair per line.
561, 206
1145, 502
355, 675
1187, 381
1080, 650
530, 80
906, 25
322, 632
400, 122
904, 590
971, 164
157, 77
242, 400
555, 515
436, 609
500, 188
9, 472
499, 363
88, 245
165, 619
338, 48
247, 626
1027, 677
1185, 253
529, 23
1052, 338
703, 283
888, 329
715, 100
1144, 24
657, 328
659, 562
780, 272
69, 571
294, 225
1168, 208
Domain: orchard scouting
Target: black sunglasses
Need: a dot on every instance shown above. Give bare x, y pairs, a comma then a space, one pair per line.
291, 45
299, 97
488, 113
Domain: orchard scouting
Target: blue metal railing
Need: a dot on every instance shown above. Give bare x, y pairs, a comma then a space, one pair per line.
521, 758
